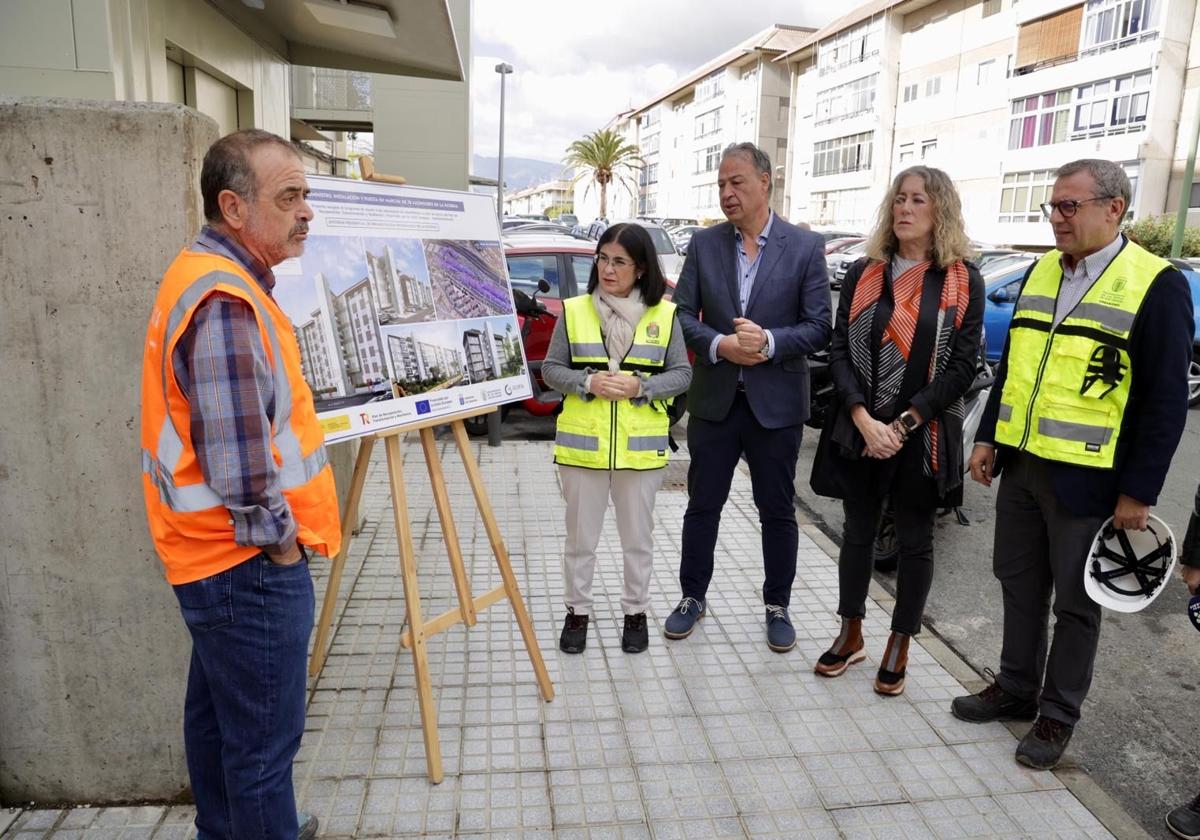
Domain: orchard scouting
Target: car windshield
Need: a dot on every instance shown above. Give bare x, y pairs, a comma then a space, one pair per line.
662, 242
1014, 262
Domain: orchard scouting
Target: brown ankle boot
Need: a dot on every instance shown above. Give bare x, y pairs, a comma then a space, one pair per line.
847, 649
890, 679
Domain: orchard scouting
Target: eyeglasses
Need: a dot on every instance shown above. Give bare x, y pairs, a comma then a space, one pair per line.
1068, 207
618, 263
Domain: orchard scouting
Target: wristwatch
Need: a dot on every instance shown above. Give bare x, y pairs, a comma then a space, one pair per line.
908, 422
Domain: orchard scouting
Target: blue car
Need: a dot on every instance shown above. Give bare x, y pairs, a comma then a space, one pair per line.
1004, 286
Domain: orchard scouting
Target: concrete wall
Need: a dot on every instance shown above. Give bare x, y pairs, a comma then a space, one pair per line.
423, 127
92, 651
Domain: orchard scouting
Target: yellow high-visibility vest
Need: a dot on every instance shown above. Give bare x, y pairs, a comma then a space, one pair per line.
603, 435
1066, 388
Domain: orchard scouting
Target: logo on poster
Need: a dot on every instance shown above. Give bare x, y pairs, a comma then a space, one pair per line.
364, 418
423, 407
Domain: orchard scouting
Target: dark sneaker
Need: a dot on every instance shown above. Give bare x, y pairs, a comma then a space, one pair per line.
1043, 744
308, 825
682, 620
781, 637
1184, 821
574, 633
635, 638
993, 703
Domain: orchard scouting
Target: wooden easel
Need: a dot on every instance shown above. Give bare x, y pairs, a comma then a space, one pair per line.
419, 630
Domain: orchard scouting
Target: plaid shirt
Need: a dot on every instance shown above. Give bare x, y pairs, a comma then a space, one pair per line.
221, 365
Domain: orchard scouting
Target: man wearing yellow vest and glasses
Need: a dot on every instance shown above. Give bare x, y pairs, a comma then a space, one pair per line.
1089, 405
236, 485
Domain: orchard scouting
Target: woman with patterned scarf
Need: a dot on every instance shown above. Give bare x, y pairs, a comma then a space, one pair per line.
904, 350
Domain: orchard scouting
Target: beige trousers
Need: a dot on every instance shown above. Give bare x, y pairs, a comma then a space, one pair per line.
586, 493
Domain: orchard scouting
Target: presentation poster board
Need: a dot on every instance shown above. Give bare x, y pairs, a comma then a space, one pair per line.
402, 306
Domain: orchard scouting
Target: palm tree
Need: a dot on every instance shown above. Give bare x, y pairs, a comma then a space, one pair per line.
606, 156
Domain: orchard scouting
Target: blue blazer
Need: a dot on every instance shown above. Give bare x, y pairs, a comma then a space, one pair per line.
790, 297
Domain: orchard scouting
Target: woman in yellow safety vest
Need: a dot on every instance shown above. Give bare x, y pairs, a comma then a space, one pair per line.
618, 357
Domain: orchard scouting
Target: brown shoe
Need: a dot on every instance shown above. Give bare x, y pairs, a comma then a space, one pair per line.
890, 679
846, 650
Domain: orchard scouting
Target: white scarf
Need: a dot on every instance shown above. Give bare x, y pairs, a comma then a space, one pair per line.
619, 318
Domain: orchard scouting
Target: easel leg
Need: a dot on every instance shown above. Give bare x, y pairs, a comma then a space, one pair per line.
412, 601
317, 661
506, 573
441, 498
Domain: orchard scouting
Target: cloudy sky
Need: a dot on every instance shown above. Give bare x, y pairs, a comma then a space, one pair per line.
577, 64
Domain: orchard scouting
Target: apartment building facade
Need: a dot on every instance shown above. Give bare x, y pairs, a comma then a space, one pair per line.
995, 93
416, 360
742, 95
539, 198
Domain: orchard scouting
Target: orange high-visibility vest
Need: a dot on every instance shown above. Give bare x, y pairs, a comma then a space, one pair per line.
192, 529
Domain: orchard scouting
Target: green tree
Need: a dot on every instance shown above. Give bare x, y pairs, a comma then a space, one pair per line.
606, 157
1154, 233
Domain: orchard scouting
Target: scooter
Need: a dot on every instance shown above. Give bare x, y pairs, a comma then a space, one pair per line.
537, 325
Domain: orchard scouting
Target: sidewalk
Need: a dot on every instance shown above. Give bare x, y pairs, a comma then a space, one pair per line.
712, 736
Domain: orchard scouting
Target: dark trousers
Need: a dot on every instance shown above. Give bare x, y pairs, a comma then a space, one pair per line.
244, 712
914, 533
1041, 547
771, 453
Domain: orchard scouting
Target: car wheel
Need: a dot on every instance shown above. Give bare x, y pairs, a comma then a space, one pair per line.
1194, 381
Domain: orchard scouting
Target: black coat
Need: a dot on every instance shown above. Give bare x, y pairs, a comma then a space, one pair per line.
839, 469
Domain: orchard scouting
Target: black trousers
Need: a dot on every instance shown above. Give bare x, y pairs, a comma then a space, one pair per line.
1041, 547
914, 533
771, 454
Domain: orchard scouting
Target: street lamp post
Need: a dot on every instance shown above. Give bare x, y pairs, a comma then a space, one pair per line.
493, 419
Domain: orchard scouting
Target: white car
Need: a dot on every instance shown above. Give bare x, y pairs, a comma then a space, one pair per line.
668, 255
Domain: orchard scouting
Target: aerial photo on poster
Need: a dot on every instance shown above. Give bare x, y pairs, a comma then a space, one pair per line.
401, 292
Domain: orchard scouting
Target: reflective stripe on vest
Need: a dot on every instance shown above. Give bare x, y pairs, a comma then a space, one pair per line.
192, 529
599, 434
1067, 386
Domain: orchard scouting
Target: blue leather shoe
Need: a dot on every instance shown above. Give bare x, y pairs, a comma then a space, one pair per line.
308, 825
781, 637
682, 620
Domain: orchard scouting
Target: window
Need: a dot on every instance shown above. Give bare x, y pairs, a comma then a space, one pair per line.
710, 86
910, 92
906, 153
1194, 195
785, 104
991, 7
1022, 194
1108, 22
845, 101
983, 73
850, 45
844, 154
651, 118
526, 270
1039, 120
650, 145
704, 197
933, 86
582, 266
928, 148
842, 207
650, 174
708, 123
708, 159
1111, 106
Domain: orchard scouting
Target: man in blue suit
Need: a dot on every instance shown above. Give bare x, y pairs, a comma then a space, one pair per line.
753, 301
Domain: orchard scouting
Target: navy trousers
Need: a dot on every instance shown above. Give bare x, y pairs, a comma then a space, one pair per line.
244, 712
771, 454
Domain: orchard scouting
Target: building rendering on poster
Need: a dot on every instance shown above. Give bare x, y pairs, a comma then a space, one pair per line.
402, 307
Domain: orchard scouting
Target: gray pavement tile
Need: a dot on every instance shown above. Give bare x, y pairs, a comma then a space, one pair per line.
954, 731
932, 773
586, 743
810, 823
717, 829
667, 740
401, 752
8, 816
38, 820
994, 764
677, 792
750, 735
881, 822
506, 747
976, 817
604, 832
852, 779
770, 786
79, 817
504, 802
596, 796
1051, 814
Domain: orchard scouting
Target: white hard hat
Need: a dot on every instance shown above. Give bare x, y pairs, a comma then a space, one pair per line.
1127, 569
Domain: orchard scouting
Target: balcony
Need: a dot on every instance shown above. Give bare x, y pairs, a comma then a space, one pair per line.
332, 99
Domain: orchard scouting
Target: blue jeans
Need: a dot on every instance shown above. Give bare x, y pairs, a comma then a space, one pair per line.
244, 712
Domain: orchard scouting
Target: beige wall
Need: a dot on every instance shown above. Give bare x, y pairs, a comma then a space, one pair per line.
423, 127
134, 50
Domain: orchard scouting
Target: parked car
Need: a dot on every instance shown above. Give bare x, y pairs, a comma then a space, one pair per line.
836, 234
564, 262
672, 223
989, 255
511, 222
835, 252
541, 229
568, 219
846, 259
681, 236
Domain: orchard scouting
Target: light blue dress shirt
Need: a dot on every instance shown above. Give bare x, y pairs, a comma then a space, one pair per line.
747, 271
